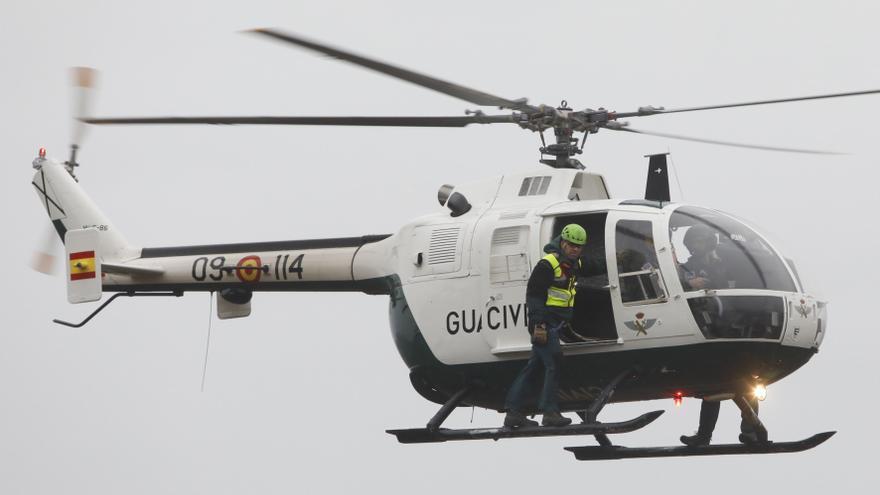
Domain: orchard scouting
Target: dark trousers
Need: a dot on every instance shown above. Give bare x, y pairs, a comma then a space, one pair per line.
709, 417
546, 358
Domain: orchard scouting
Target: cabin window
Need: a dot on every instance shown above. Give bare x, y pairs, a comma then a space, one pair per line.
739, 317
637, 267
715, 251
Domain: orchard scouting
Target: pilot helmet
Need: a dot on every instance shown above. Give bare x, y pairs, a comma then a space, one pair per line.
700, 239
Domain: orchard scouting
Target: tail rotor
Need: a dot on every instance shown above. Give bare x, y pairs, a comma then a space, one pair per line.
83, 81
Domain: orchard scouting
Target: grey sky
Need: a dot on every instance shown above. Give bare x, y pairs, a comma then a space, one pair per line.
298, 395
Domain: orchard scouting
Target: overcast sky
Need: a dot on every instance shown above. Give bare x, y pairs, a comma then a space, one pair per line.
298, 395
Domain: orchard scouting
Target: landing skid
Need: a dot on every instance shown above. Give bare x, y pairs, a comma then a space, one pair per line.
426, 435
617, 452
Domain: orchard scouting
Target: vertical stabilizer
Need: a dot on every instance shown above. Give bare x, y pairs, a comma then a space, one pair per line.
657, 185
83, 260
70, 208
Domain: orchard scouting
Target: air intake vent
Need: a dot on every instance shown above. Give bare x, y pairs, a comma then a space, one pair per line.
442, 247
506, 235
516, 215
534, 186
508, 256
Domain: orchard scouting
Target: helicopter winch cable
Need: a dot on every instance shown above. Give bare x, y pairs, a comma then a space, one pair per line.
722, 143
208, 341
675, 172
445, 87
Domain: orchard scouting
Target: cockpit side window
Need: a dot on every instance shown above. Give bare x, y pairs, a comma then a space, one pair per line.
637, 267
714, 251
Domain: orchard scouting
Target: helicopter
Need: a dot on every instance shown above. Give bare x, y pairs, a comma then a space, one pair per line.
456, 277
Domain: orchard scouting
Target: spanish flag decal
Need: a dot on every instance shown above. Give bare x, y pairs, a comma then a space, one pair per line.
82, 265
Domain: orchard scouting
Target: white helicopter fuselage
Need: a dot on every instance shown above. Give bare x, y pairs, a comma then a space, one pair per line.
457, 281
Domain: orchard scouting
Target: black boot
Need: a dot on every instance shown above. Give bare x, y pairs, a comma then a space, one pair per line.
515, 419
748, 438
708, 417
696, 440
555, 419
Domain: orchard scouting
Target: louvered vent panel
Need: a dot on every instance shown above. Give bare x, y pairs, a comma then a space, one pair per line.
535, 186
506, 235
508, 259
442, 246
512, 216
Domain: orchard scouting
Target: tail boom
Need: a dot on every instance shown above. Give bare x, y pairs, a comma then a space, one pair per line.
338, 264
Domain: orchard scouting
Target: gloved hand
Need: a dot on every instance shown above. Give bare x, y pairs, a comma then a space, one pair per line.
540, 334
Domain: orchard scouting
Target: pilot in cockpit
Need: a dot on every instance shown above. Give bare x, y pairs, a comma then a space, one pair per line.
704, 269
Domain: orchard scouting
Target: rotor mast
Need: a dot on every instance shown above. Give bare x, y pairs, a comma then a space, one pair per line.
566, 144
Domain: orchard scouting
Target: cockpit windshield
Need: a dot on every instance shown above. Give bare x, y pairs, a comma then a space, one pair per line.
714, 251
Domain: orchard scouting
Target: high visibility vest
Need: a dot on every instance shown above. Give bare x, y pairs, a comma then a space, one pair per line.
561, 293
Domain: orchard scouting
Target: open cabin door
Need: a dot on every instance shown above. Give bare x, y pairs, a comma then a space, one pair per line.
510, 249
593, 320
640, 293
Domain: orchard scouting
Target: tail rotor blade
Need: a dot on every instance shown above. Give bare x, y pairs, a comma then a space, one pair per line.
83, 80
45, 258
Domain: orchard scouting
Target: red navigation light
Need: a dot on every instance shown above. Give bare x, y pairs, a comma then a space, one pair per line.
676, 397
42, 152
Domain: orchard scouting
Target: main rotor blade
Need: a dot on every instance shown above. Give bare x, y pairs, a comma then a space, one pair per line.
451, 89
724, 143
353, 121
655, 111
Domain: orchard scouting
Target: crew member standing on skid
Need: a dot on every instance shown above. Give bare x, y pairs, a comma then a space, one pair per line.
550, 297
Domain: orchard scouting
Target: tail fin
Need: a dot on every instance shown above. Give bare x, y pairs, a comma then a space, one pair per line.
657, 186
70, 208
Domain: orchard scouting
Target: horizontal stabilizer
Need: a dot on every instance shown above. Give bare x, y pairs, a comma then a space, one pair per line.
132, 269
